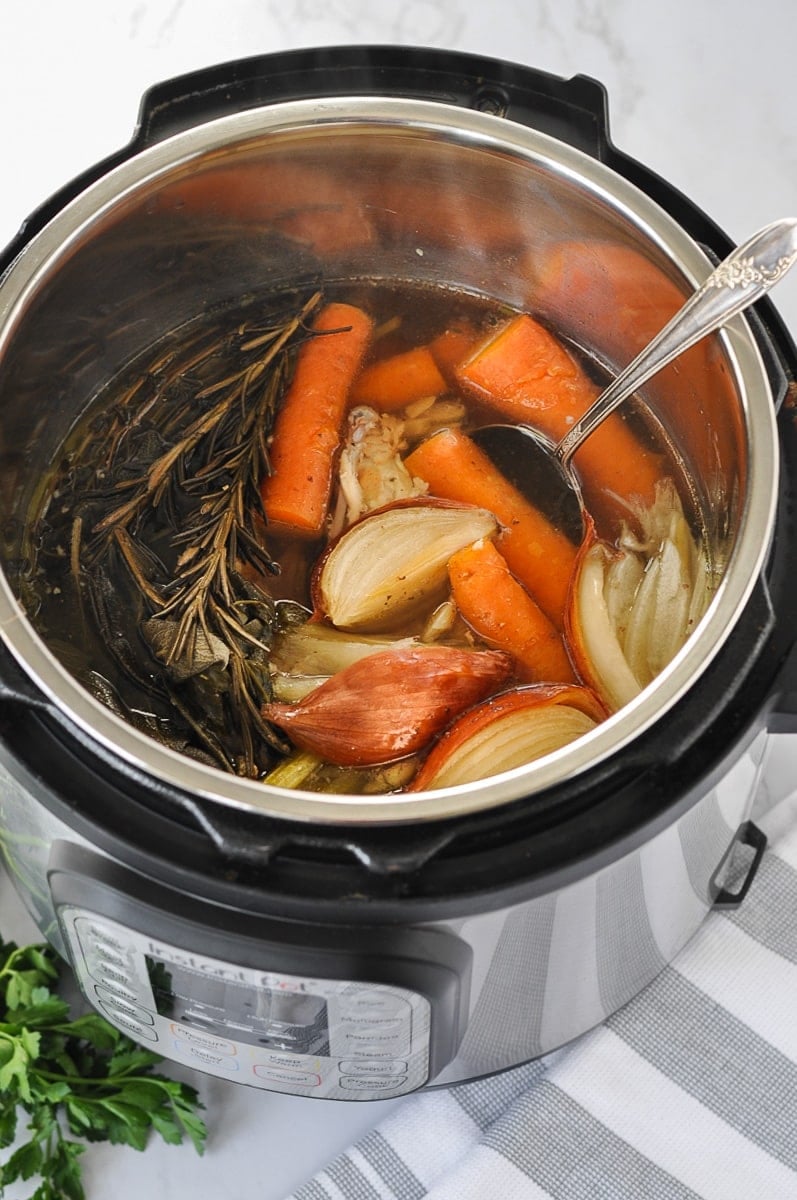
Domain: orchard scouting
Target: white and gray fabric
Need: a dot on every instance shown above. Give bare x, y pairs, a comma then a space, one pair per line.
689, 1091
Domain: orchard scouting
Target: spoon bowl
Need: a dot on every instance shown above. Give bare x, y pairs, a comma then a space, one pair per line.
542, 469
527, 458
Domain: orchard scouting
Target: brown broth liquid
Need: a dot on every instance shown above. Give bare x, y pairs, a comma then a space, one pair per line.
89, 603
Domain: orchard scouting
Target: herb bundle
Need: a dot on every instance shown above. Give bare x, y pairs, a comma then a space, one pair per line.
166, 494
74, 1076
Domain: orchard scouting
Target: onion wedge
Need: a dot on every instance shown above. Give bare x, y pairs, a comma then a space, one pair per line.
591, 632
632, 607
316, 649
305, 656
391, 565
509, 730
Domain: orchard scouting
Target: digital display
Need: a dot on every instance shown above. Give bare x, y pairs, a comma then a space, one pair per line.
338, 1038
275, 1018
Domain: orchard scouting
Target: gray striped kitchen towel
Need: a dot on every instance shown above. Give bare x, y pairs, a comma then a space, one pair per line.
690, 1091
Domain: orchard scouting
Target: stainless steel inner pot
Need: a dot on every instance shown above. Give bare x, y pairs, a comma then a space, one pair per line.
391, 189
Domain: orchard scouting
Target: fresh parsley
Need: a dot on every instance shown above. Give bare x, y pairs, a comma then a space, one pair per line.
74, 1076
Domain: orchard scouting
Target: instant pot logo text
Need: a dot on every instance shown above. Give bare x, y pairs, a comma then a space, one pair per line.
169, 956
206, 966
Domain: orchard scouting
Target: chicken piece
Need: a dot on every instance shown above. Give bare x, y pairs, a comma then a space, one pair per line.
425, 417
371, 471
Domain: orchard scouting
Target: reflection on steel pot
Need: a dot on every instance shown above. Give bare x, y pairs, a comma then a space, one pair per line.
349, 944
736, 283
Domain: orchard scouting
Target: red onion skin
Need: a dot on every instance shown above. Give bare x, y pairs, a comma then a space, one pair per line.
390, 704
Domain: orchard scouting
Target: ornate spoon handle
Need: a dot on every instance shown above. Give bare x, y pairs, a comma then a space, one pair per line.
741, 279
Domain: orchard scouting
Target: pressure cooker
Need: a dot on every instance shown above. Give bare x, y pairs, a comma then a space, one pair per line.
356, 947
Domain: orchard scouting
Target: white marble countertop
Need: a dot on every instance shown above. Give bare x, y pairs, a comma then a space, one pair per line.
702, 93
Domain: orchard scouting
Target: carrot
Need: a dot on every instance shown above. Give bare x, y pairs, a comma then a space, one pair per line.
307, 430
624, 299
451, 347
431, 200
316, 207
524, 373
502, 612
391, 383
539, 555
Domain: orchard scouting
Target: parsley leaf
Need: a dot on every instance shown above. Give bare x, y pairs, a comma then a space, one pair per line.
74, 1078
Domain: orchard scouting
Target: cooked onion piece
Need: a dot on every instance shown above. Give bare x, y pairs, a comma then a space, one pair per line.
391, 704
632, 607
391, 565
289, 689
508, 731
671, 597
592, 634
316, 649
305, 656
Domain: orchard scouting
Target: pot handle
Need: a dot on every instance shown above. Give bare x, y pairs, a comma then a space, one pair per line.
243, 838
571, 110
750, 836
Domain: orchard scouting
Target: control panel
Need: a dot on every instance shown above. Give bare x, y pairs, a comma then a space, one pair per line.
331, 1038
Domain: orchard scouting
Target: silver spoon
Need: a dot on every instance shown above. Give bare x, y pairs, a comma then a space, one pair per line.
541, 466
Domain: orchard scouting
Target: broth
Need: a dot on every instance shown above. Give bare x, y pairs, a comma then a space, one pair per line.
160, 583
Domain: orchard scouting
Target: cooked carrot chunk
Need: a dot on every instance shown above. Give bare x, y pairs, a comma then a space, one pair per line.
539, 555
307, 431
525, 374
502, 612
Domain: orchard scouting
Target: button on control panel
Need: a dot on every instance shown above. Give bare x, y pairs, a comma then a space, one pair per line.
343, 1039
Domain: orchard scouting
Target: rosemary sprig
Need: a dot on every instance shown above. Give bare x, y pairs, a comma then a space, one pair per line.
205, 483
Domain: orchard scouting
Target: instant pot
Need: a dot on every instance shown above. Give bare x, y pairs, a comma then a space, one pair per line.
358, 947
